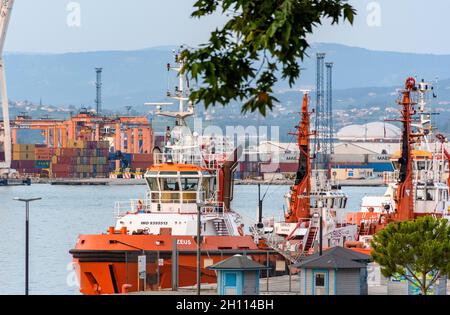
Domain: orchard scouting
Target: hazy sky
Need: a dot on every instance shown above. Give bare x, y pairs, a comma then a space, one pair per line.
42, 26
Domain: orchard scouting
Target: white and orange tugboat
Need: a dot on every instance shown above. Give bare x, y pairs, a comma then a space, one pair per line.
419, 186
191, 176
315, 207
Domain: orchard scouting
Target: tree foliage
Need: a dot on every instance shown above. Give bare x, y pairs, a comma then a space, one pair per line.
414, 250
262, 37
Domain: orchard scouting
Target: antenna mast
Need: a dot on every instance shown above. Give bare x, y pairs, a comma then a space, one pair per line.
181, 94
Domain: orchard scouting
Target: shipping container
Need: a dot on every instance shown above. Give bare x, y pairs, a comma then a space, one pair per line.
23, 155
142, 157
141, 165
348, 158
22, 164
63, 168
23, 147
288, 167
42, 164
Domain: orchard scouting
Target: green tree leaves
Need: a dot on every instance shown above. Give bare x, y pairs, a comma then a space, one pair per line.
262, 37
414, 250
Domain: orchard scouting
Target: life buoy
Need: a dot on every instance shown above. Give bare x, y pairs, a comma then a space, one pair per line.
240, 231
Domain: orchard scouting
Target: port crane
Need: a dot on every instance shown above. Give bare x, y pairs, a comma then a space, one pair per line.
5, 16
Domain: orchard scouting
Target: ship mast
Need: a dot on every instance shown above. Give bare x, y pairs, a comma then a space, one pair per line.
181, 95
299, 205
405, 196
5, 16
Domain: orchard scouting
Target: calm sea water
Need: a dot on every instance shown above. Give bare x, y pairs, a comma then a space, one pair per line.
66, 211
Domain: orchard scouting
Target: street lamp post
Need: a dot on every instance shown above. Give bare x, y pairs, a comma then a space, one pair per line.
27, 246
199, 226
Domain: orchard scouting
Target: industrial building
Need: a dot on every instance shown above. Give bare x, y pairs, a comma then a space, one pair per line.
359, 152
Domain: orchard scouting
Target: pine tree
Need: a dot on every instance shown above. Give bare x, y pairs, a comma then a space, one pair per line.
414, 250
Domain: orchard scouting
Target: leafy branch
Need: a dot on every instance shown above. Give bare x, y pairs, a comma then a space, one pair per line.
265, 34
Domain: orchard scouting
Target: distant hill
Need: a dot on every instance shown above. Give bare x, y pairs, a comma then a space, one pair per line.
134, 77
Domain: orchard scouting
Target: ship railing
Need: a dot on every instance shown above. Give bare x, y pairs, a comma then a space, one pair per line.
122, 208
228, 224
423, 175
134, 206
213, 208
282, 246
390, 177
207, 160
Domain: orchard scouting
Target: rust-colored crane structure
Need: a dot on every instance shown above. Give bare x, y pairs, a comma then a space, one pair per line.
299, 207
405, 197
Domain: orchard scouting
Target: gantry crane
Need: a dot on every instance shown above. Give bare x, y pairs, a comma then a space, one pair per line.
5, 16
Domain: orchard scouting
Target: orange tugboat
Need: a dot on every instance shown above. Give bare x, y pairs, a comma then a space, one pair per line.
154, 242
418, 187
315, 207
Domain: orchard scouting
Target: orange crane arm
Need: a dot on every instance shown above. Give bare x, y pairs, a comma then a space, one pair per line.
404, 198
299, 206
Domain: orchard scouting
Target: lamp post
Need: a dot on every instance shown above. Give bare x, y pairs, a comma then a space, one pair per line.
199, 226
27, 247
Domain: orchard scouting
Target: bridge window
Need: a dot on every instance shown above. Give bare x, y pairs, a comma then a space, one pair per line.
421, 165
189, 184
420, 194
429, 195
153, 183
170, 184
339, 202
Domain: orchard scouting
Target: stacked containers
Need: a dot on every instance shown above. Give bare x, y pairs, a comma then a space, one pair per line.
81, 159
141, 161
23, 152
23, 159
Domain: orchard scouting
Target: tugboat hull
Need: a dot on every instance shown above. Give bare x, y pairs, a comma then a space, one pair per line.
108, 264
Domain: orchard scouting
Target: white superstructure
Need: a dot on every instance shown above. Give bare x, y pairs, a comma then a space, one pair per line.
184, 181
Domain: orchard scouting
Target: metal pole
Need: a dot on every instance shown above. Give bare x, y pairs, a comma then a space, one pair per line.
320, 236
157, 270
27, 224
267, 272
175, 266
290, 276
27, 241
145, 278
260, 204
198, 250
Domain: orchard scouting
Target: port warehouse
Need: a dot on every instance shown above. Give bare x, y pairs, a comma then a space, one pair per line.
350, 160
360, 152
84, 146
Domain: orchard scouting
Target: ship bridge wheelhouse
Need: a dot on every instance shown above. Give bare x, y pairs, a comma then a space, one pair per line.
180, 190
